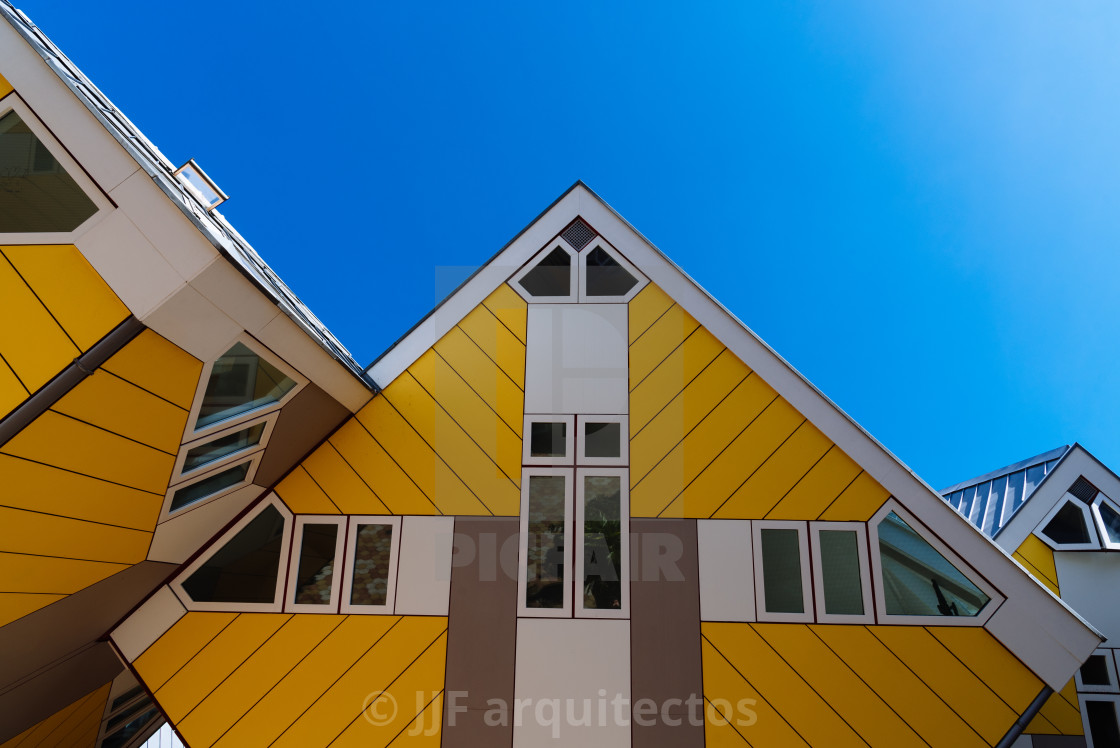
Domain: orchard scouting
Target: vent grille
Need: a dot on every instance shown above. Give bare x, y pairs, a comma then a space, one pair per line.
579, 234
1084, 490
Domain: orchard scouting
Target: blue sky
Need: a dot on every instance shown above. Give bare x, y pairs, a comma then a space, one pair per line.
918, 205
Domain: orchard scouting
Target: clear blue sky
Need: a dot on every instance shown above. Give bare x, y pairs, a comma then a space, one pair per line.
917, 204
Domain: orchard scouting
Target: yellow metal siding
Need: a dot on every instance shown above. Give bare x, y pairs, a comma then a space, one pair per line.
1060, 715
75, 725
5, 87
1038, 558
12, 391
153, 363
646, 308
15, 605
302, 494
116, 405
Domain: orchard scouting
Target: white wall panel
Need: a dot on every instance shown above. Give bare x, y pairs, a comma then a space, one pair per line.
148, 623
424, 569
726, 570
1088, 585
577, 359
179, 536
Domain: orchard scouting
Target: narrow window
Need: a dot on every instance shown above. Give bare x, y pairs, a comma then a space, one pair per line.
1103, 726
245, 569
918, 580
840, 570
781, 571
373, 551
125, 734
209, 486
315, 575
548, 439
1095, 671
1109, 521
552, 276
545, 538
222, 447
603, 539
1067, 526
241, 382
36, 193
605, 276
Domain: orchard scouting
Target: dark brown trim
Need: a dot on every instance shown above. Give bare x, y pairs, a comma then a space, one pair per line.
69, 378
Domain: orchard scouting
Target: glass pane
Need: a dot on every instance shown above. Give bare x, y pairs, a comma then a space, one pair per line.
544, 575
127, 696
124, 714
240, 381
1068, 526
1095, 671
372, 550
209, 486
1034, 477
548, 439
602, 439
993, 514
221, 448
1111, 520
126, 733
245, 569
1014, 492
316, 565
551, 277
955, 499
605, 277
966, 500
36, 193
602, 541
781, 571
843, 588
1102, 722
980, 503
918, 580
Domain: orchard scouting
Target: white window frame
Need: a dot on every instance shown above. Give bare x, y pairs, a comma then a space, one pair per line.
277, 604
301, 521
1090, 526
254, 461
191, 435
573, 280
348, 567
523, 545
621, 260
178, 476
860, 529
1081, 699
995, 598
1099, 520
623, 475
760, 572
624, 439
1110, 664
569, 440
13, 103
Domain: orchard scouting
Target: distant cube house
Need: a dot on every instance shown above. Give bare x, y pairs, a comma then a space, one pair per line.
579, 504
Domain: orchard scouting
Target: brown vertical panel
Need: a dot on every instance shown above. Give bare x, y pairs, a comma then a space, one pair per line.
665, 634
482, 631
302, 425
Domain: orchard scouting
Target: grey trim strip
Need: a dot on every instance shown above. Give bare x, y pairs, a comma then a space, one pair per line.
69, 378
1026, 717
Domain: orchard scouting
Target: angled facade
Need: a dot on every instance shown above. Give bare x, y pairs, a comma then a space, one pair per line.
578, 504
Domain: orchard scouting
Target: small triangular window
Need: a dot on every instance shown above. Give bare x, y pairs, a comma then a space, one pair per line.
551, 277
246, 568
605, 276
1068, 526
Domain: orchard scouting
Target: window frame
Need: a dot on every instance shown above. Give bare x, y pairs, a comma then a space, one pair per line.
807, 601
345, 606
178, 476
191, 435
579, 611
623, 458
569, 440
995, 598
296, 548
1081, 699
618, 257
523, 610
1095, 538
254, 460
14, 103
573, 281
1095, 511
1110, 664
860, 529
216, 544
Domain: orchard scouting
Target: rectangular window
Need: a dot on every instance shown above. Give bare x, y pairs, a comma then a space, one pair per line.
842, 572
313, 577
546, 527
603, 543
1098, 674
214, 484
373, 545
783, 593
1102, 718
602, 440
549, 440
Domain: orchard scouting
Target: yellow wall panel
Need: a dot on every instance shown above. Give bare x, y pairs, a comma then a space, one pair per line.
810, 715
42, 488
859, 501
345, 487
484, 376
73, 725
216, 661
302, 494
372, 462
159, 366
838, 685
116, 405
910, 697
71, 289
65, 576
1061, 712
957, 685
51, 439
1038, 558
818, 488
645, 309
48, 535
178, 645
5, 87
1042, 726
312, 677
15, 605
31, 341
501, 345
1002, 671
12, 391
777, 475
672, 375
669, 331
510, 309
255, 676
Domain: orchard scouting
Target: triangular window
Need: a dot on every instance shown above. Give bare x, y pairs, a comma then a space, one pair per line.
605, 276
36, 193
918, 580
241, 382
246, 568
552, 276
